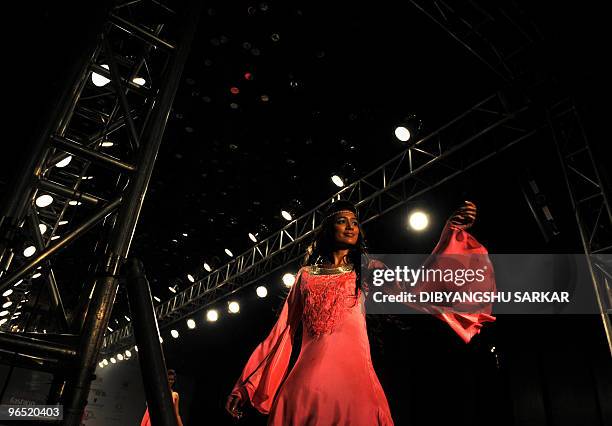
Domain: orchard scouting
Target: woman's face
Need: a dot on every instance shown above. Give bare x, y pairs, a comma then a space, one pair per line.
171, 379
346, 228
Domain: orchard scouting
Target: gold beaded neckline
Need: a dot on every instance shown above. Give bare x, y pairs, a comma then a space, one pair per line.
318, 270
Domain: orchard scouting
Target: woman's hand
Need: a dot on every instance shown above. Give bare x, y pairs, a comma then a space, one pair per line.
464, 217
232, 406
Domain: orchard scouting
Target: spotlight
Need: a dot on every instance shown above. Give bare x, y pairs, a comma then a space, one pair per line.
127, 318
62, 222
101, 364
174, 334
157, 299
106, 144
288, 279
261, 291
408, 128
172, 289
17, 283
212, 315
139, 81
337, 180
64, 162
99, 80
128, 353
207, 267
190, 278
105, 361
286, 215
233, 307
113, 360
110, 329
43, 228
229, 253
185, 234
191, 324
55, 237
402, 133
120, 357
74, 203
4, 313
36, 275
8, 292
44, 200
161, 339
29, 251
136, 348
252, 237
418, 220
7, 304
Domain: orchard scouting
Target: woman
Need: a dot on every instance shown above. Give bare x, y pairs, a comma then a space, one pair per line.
333, 380
146, 421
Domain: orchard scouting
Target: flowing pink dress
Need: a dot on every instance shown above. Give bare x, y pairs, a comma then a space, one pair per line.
333, 381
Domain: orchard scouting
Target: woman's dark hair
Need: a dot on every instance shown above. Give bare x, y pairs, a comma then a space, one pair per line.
324, 243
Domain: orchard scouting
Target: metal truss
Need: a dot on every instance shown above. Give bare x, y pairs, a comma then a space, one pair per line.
478, 134
497, 33
590, 200
92, 161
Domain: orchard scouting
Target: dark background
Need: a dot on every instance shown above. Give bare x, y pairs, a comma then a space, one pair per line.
338, 79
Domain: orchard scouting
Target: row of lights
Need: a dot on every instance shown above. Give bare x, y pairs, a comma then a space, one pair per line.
100, 81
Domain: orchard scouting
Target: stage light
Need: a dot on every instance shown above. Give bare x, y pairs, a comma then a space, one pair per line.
105, 361
8, 292
128, 353
106, 144
3, 320
261, 291
418, 220
212, 315
286, 215
174, 333
29, 251
172, 289
229, 253
113, 360
7, 304
233, 307
43, 228
127, 318
185, 234
55, 237
74, 203
157, 298
190, 278
288, 279
234, 90
4, 313
402, 133
64, 162
136, 348
62, 222
36, 275
120, 357
109, 329
252, 237
99, 80
161, 339
337, 180
139, 81
207, 267
44, 200
18, 282
191, 324
100, 364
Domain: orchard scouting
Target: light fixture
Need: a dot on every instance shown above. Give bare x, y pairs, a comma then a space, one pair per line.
161, 339
418, 220
288, 279
157, 298
252, 237
55, 237
8, 292
120, 357
172, 289
106, 144
7, 304
36, 275
105, 361
62, 222
127, 318
44, 200
113, 360
64, 162
286, 215
229, 253
128, 353
99, 80
109, 329
18, 282
139, 81
190, 278
74, 203
101, 364
43, 228
3, 320
233, 307
212, 315
408, 128
261, 291
402, 133
185, 234
136, 348
174, 333
29, 251
207, 267
191, 324
4, 313
337, 180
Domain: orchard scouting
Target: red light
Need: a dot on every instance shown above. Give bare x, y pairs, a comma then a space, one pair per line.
248, 76
235, 90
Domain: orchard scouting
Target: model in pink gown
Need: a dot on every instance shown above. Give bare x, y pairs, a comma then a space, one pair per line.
333, 381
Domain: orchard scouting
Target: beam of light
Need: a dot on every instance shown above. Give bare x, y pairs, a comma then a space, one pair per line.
418, 220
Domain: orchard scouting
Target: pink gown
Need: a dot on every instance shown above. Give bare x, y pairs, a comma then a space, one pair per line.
333, 381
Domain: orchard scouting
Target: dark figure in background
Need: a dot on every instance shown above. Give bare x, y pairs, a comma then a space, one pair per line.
146, 421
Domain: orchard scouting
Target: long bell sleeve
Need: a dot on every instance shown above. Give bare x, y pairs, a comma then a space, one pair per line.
267, 366
462, 250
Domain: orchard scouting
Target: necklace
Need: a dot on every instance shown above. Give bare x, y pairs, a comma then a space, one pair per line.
318, 270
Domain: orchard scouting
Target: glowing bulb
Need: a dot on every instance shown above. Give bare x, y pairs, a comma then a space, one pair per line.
8, 292
233, 307
29, 251
172, 289
101, 364
157, 298
174, 334
229, 253
110, 329
128, 353
106, 144
62, 222
212, 315
190, 278
3, 320
261, 291
286, 215
43, 228
191, 324
36, 275
105, 361
207, 267
139, 81
337, 180
418, 221
99, 80
161, 339
120, 357
44, 200
64, 162
113, 360
4, 313
252, 237
288, 279
402, 133
7, 304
